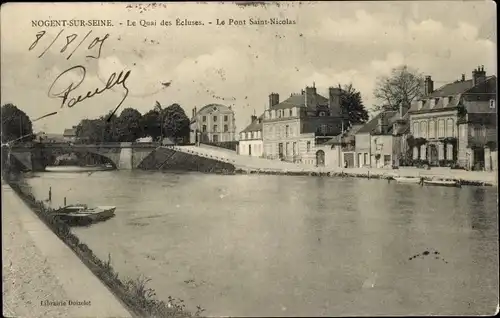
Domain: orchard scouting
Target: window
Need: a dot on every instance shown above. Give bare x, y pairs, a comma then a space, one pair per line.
279, 113
432, 129
294, 148
308, 146
286, 130
420, 104
472, 131
215, 128
415, 129
204, 118
226, 129
242, 136
492, 103
225, 118
215, 118
432, 102
441, 128
290, 113
483, 130
423, 129
450, 132
204, 128
366, 158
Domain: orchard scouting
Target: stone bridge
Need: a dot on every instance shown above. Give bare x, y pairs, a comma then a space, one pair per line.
124, 155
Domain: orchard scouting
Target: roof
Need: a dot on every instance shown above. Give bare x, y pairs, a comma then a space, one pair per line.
346, 136
479, 107
69, 132
208, 109
255, 125
453, 91
370, 126
298, 100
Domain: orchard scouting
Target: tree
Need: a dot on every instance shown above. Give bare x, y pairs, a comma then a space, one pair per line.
175, 122
91, 130
151, 124
401, 87
16, 125
129, 128
351, 106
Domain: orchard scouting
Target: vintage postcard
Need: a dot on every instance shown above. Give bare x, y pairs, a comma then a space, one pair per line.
249, 159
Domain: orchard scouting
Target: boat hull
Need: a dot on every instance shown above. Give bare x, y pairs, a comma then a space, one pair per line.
442, 183
407, 180
84, 216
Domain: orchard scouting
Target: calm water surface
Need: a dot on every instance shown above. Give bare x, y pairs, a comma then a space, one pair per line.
294, 246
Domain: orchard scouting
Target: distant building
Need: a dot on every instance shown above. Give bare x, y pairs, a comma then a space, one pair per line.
291, 129
457, 122
70, 134
251, 143
213, 123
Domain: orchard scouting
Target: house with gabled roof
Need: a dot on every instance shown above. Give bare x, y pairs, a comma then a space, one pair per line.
69, 134
250, 141
292, 129
380, 142
213, 123
456, 124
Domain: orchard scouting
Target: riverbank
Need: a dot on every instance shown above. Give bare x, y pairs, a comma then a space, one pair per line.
42, 277
132, 293
470, 178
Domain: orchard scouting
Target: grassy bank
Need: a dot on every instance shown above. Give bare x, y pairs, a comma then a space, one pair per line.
367, 175
140, 300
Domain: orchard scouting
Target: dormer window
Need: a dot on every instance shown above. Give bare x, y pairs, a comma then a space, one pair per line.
432, 102
492, 103
420, 104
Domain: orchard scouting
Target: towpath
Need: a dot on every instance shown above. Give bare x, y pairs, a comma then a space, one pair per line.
41, 275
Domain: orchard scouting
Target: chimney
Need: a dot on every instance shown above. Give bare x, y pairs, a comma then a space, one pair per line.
253, 118
463, 77
310, 97
428, 86
334, 99
382, 124
478, 75
274, 99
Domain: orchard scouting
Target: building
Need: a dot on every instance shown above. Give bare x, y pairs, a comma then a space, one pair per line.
213, 123
456, 123
291, 129
380, 142
251, 143
339, 152
70, 134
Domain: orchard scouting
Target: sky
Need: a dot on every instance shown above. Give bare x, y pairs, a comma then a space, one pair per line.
331, 43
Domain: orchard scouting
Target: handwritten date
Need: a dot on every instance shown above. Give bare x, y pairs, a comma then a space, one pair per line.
96, 43
80, 72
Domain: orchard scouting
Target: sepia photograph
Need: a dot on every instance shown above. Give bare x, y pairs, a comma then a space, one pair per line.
249, 159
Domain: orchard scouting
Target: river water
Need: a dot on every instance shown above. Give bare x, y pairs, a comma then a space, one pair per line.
250, 245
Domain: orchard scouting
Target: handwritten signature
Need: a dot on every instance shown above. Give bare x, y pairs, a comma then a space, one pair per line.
80, 71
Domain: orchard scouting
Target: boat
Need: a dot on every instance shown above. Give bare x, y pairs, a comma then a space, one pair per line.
407, 179
81, 214
442, 182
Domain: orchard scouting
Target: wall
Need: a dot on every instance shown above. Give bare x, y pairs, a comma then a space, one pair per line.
333, 155
427, 120
257, 147
165, 158
383, 145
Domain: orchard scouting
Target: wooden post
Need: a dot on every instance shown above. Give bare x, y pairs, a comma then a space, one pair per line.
64, 201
